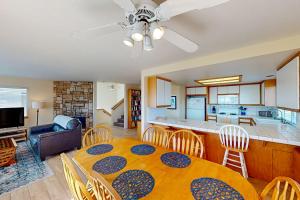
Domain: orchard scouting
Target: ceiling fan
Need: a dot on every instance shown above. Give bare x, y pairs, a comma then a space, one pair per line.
142, 22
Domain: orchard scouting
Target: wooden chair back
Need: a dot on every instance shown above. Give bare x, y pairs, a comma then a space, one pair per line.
76, 186
289, 190
234, 138
101, 188
98, 134
186, 142
156, 135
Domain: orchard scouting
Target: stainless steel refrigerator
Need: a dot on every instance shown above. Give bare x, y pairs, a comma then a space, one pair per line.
196, 108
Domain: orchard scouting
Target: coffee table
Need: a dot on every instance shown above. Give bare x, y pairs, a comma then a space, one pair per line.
8, 148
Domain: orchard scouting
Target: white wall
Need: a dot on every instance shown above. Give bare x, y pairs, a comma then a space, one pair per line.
179, 113
108, 97
105, 98
38, 90
179, 92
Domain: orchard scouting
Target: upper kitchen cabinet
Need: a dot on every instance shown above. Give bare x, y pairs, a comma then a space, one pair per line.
228, 89
196, 91
250, 94
213, 95
287, 94
268, 92
159, 92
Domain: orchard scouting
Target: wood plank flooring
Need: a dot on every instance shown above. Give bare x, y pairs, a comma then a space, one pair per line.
55, 187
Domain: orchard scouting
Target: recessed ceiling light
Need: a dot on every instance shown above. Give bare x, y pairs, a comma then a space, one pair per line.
222, 80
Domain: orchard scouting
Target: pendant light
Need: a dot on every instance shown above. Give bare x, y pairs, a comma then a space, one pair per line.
128, 41
148, 46
157, 31
137, 32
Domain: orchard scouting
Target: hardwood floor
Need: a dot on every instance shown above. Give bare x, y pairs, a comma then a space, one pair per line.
55, 187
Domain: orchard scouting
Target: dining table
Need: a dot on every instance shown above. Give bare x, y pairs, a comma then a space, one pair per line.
190, 180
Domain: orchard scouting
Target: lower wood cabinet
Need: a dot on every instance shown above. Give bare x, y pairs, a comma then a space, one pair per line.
264, 160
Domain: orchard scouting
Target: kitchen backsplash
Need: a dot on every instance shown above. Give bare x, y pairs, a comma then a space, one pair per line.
251, 110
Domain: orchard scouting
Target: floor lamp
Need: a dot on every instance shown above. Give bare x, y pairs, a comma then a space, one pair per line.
37, 105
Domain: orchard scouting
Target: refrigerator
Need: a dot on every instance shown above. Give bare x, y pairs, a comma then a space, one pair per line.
196, 108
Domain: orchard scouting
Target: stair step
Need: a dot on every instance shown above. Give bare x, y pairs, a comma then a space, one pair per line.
121, 120
119, 124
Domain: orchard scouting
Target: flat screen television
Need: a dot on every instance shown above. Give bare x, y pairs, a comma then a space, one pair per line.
11, 117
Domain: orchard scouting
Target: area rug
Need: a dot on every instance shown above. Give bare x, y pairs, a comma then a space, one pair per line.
28, 168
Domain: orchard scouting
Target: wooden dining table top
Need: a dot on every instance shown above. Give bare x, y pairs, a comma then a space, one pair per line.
170, 183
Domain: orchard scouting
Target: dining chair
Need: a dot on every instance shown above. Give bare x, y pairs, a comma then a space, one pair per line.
98, 134
101, 188
235, 140
186, 142
156, 135
78, 189
290, 189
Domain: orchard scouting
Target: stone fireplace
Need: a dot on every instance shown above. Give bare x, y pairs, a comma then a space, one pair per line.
74, 99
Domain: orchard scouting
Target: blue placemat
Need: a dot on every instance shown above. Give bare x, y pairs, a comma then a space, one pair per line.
133, 184
110, 165
143, 149
99, 149
210, 188
175, 160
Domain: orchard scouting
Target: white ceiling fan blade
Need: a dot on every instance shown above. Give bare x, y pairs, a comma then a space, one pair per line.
180, 41
97, 31
171, 8
126, 5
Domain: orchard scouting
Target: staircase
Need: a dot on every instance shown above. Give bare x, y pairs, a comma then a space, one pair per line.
120, 122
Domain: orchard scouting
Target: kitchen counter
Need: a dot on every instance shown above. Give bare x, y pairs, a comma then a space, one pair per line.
264, 132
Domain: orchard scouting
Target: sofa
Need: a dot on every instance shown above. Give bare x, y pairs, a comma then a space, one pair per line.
64, 134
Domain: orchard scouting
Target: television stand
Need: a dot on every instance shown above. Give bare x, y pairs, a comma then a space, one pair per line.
18, 133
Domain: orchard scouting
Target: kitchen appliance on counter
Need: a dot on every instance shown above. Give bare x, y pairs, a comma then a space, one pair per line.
214, 110
265, 113
196, 108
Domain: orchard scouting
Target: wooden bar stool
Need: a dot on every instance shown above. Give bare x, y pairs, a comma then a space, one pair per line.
235, 140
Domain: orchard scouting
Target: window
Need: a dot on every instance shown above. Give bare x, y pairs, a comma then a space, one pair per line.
289, 116
13, 97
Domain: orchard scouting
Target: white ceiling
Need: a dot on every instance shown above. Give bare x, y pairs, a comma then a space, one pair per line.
252, 69
35, 36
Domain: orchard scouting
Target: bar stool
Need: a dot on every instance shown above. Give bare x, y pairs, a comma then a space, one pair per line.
234, 139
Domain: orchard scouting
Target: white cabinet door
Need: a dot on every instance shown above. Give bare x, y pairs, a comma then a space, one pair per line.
168, 89
160, 92
191, 91
228, 90
201, 90
250, 94
213, 95
288, 85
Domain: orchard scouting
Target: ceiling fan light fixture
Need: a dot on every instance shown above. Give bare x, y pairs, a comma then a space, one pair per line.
128, 41
137, 32
148, 46
157, 31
